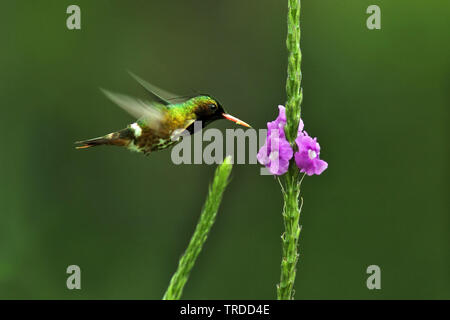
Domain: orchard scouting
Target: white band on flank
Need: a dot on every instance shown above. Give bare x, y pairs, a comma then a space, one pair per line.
136, 129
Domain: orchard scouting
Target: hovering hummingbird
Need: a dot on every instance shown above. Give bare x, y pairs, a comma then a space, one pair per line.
161, 121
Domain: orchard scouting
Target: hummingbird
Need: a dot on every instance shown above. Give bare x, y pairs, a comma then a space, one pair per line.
161, 121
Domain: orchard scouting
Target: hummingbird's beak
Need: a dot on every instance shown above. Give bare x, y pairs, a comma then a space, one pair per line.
234, 119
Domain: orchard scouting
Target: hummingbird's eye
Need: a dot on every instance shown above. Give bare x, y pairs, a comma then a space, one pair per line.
212, 107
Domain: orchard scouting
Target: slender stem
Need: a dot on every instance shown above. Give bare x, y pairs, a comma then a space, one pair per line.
291, 192
294, 73
201, 232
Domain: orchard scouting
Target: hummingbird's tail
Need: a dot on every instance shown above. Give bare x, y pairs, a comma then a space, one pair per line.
120, 138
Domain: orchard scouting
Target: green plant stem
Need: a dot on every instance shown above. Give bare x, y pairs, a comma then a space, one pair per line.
291, 192
294, 74
201, 232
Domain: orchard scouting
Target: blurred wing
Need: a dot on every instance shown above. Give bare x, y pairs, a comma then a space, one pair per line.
162, 95
150, 111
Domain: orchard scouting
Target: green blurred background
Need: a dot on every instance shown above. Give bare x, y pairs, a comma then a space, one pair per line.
378, 101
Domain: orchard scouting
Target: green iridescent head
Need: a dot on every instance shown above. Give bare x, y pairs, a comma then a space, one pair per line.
208, 109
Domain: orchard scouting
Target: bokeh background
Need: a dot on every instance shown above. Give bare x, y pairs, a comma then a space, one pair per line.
378, 101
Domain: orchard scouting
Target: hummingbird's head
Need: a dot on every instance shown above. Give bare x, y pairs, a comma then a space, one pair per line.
209, 109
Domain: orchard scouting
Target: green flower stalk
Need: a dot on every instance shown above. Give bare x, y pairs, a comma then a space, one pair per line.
207, 218
294, 73
291, 190
289, 151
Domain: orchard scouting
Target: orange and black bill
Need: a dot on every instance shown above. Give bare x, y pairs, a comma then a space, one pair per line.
234, 119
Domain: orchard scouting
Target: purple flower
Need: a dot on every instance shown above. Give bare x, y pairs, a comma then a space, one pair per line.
307, 156
278, 123
276, 152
